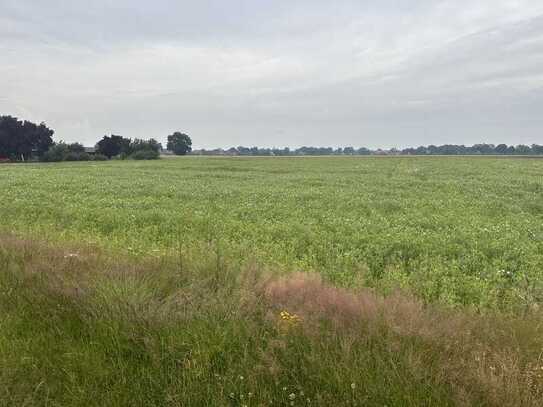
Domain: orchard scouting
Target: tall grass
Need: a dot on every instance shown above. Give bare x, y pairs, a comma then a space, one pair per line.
78, 327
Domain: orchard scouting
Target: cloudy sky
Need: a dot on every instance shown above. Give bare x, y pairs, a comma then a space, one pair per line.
376, 73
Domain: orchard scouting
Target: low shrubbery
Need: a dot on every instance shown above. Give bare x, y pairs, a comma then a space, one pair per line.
143, 150
66, 152
144, 155
134, 149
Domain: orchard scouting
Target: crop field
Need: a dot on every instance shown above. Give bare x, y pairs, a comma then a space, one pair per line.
455, 230
272, 281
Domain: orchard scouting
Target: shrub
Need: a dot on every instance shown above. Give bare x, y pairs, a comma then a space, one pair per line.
99, 157
57, 152
147, 154
71, 156
66, 152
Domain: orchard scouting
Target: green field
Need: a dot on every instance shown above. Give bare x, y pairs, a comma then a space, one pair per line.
455, 230
345, 281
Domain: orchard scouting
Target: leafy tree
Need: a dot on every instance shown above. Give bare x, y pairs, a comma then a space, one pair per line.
22, 140
66, 152
139, 145
56, 153
522, 149
179, 143
76, 148
144, 149
501, 149
113, 146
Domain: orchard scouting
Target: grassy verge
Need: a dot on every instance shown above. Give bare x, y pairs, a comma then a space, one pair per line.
80, 328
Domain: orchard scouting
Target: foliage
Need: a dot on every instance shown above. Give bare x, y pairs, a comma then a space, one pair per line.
66, 152
145, 154
22, 140
463, 231
144, 149
112, 146
179, 143
184, 289
447, 149
80, 328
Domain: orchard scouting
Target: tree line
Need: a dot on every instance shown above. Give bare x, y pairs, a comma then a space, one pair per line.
446, 149
23, 141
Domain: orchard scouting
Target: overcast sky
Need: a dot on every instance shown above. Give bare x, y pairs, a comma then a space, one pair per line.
376, 73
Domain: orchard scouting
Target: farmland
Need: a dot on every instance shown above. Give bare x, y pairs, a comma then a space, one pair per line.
461, 231
283, 281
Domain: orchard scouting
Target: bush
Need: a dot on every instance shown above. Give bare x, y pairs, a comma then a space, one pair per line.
66, 152
99, 157
71, 156
147, 154
56, 153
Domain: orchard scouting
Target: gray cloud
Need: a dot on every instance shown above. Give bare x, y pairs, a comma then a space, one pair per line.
274, 73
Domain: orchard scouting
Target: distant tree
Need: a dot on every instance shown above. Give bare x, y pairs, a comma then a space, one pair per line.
521, 149
446, 149
179, 143
244, 150
484, 149
58, 152
144, 149
76, 148
501, 149
113, 146
281, 152
147, 154
139, 144
421, 150
22, 140
66, 152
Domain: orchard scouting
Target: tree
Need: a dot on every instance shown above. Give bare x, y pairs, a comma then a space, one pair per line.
522, 149
139, 145
179, 143
22, 140
501, 149
144, 149
113, 146
66, 152
76, 148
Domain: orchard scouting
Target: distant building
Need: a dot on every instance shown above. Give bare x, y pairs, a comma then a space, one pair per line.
90, 150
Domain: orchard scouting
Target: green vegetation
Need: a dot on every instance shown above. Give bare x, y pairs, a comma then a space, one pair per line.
244, 281
179, 143
81, 329
461, 231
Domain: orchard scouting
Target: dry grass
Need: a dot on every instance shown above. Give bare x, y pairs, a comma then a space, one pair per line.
495, 354
171, 332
